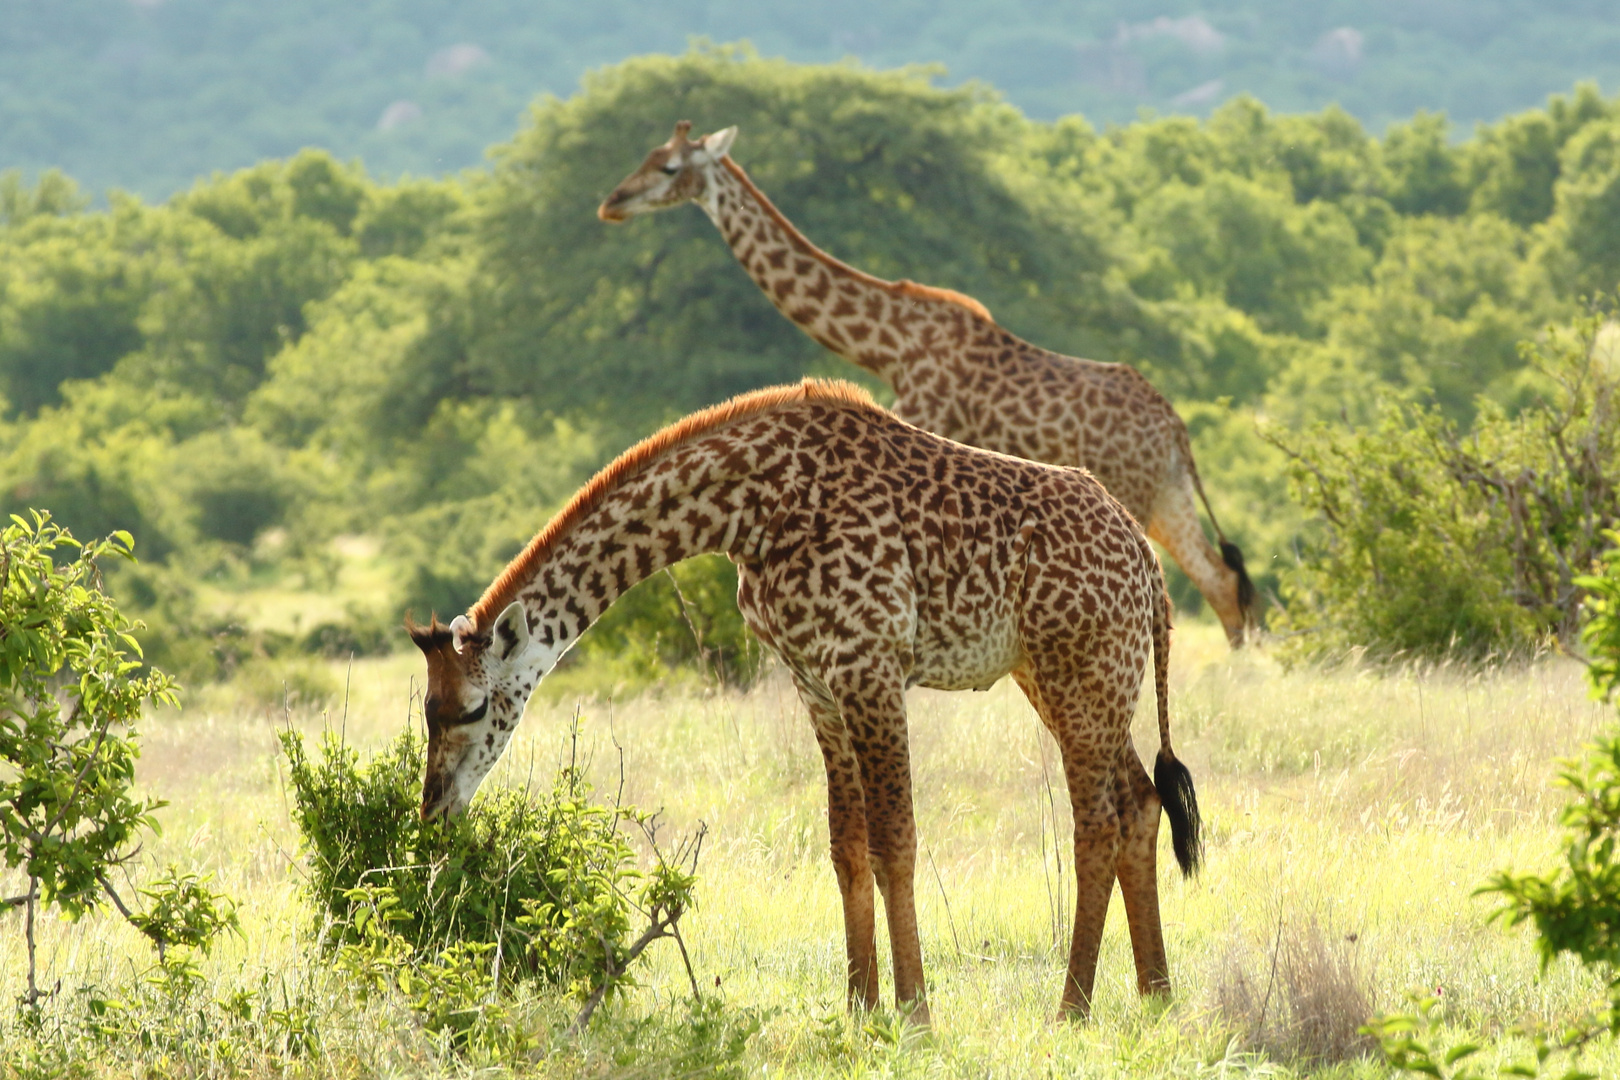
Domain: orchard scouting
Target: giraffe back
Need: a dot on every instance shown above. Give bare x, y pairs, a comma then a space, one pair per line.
959, 560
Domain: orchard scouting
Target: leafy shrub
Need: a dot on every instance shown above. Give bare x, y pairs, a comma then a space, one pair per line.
532, 888
452, 992
360, 632
235, 484
1601, 634
1576, 908
1433, 541
294, 682
70, 695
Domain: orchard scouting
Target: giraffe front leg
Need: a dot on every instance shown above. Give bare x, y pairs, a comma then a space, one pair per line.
846, 826
874, 715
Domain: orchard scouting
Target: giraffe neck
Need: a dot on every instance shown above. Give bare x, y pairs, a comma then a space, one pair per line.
881, 326
702, 497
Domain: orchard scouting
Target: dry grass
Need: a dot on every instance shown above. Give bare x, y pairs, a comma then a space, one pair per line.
1371, 804
1302, 996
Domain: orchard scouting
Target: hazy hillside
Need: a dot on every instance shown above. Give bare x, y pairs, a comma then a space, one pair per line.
147, 94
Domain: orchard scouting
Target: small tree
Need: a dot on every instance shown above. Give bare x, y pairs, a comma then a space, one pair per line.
71, 689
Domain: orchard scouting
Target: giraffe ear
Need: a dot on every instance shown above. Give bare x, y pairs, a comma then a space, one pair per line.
461, 628
718, 145
512, 631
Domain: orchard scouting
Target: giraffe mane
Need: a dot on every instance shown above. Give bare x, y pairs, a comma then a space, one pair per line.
630, 463
902, 288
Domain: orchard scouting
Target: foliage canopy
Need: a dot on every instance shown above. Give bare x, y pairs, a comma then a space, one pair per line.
294, 353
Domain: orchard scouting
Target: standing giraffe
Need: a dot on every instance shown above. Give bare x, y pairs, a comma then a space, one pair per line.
953, 370
873, 556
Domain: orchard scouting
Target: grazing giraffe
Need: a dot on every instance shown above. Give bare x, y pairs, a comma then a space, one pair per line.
953, 370
873, 557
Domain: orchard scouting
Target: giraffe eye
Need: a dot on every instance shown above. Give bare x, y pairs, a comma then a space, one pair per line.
671, 168
476, 715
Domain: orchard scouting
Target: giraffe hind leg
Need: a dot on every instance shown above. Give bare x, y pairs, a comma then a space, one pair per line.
1091, 724
1137, 869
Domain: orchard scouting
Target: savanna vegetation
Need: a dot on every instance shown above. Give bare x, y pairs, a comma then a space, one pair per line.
294, 380
316, 400
1351, 817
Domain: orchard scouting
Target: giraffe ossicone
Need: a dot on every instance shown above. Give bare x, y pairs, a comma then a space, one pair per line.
953, 370
872, 556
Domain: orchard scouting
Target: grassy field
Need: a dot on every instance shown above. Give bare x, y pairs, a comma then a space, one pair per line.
1350, 818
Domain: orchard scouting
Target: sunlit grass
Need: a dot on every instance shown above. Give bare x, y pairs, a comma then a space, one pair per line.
1370, 806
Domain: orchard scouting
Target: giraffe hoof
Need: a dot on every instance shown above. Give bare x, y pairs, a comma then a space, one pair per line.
1073, 1013
916, 1015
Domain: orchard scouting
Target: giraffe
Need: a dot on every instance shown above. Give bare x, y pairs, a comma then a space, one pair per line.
953, 370
873, 556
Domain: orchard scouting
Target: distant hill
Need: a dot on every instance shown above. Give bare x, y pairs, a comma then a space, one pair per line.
148, 94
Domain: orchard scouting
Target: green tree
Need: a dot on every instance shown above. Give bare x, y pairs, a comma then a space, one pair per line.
1583, 239
1248, 245
53, 194
1443, 310
1514, 165
72, 289
884, 170
1425, 170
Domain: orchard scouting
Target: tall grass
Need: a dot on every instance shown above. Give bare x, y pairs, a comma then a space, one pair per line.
1350, 816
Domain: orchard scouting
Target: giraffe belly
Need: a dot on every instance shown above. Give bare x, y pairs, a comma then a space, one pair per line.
965, 657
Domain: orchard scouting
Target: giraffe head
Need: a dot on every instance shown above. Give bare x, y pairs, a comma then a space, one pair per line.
478, 683
677, 171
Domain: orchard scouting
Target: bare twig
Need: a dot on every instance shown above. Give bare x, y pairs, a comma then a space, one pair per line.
33, 994
675, 932
948, 916
1271, 979
112, 894
712, 676
661, 927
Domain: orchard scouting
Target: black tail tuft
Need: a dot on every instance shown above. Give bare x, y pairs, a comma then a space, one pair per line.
1180, 802
1233, 558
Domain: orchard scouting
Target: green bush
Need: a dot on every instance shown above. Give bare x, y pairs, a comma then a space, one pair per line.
549, 884
1576, 908
1434, 541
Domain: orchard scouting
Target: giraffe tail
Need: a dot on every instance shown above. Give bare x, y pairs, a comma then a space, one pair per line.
1231, 554
1170, 777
